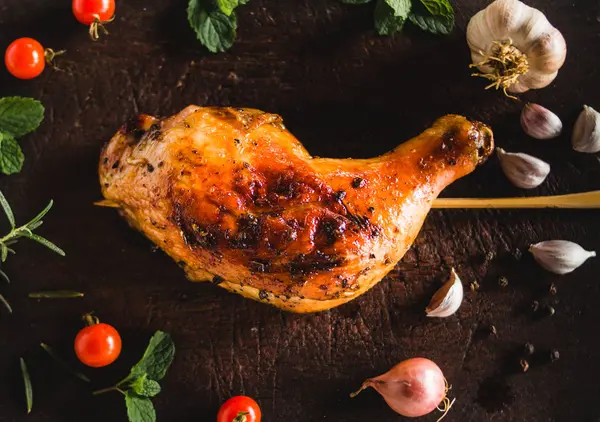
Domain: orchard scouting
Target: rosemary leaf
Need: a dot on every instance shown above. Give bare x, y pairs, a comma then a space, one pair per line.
62, 363
6, 304
35, 225
41, 215
7, 210
4, 276
45, 242
27, 383
4, 251
55, 294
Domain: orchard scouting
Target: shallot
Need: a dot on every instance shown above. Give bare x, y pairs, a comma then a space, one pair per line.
414, 387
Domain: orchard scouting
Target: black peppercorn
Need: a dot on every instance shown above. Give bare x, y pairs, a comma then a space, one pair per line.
554, 355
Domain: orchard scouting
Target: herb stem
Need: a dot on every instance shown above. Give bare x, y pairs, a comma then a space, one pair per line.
108, 390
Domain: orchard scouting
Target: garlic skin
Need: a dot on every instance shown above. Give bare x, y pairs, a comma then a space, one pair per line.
447, 299
523, 170
530, 33
560, 256
586, 133
540, 123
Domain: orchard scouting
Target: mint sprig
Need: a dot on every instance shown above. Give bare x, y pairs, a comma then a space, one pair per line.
214, 22
434, 16
18, 116
142, 381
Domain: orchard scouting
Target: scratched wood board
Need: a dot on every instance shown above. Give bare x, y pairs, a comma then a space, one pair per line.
344, 92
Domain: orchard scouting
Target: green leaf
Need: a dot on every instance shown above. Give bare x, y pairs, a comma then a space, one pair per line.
139, 409
435, 16
27, 384
355, 1
63, 363
386, 22
4, 251
227, 6
4, 276
6, 304
157, 358
33, 224
401, 7
215, 30
19, 116
45, 242
243, 2
145, 387
11, 156
7, 209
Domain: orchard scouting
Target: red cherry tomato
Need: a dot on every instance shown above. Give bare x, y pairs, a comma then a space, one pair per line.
88, 11
98, 345
234, 410
24, 58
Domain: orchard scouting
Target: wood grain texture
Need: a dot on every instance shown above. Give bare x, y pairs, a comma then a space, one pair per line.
319, 64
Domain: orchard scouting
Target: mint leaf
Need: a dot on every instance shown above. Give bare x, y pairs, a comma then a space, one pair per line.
157, 358
355, 1
215, 30
386, 21
145, 387
19, 116
227, 6
401, 7
139, 409
11, 156
435, 16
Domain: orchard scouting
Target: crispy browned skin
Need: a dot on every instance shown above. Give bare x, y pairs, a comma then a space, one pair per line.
235, 199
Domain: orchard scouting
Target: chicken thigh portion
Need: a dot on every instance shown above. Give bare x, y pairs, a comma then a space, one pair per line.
235, 199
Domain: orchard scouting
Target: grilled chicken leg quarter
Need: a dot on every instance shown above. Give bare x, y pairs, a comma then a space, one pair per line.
235, 199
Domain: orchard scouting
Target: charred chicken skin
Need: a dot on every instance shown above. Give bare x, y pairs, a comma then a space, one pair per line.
235, 199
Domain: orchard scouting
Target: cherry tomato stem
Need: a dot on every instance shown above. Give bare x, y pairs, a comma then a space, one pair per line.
239, 409
95, 13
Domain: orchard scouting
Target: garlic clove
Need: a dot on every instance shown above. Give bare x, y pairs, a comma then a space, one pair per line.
539, 122
586, 133
447, 299
560, 256
523, 170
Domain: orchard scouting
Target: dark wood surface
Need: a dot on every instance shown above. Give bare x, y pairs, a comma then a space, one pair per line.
343, 91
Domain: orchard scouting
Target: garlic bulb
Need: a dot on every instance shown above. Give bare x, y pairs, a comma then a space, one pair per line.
560, 256
447, 299
515, 46
539, 122
586, 134
523, 170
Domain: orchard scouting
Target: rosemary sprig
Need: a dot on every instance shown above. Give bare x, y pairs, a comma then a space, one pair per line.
25, 230
16, 233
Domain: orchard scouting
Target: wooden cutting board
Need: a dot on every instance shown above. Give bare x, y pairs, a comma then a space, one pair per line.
343, 91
